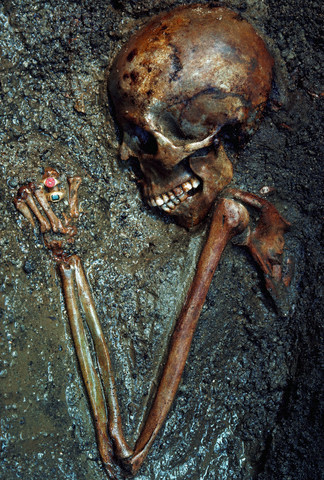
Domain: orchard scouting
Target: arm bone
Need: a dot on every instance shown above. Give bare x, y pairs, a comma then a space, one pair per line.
229, 219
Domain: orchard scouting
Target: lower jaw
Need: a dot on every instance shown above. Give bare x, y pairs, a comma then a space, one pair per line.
191, 212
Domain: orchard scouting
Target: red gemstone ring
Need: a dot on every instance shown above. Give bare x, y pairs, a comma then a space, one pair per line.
50, 182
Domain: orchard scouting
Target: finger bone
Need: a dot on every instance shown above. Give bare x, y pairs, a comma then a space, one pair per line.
26, 195
55, 222
21, 206
74, 183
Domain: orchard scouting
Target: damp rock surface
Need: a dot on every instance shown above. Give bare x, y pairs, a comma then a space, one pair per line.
249, 404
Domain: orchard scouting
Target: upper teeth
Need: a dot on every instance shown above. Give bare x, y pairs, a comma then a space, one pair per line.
169, 200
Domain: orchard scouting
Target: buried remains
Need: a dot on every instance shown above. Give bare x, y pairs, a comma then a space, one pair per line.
180, 86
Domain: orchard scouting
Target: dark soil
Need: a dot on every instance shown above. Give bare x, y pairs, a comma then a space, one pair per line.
249, 405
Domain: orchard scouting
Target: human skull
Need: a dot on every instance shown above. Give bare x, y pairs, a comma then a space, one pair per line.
177, 84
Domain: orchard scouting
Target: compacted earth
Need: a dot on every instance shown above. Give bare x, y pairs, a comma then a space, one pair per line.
249, 404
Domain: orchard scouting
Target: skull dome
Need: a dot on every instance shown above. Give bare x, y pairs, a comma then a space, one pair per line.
175, 85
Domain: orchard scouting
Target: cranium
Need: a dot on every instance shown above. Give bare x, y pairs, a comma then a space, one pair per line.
177, 85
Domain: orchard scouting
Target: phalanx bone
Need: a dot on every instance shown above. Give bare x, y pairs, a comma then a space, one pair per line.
180, 86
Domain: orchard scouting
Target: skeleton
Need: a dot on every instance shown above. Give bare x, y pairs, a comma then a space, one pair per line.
178, 86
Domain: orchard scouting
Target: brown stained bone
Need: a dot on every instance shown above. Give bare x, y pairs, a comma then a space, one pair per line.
266, 242
74, 184
229, 219
25, 194
51, 172
26, 204
21, 206
177, 84
56, 224
90, 376
104, 362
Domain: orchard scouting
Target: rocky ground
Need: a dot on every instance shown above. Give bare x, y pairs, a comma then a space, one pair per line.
249, 405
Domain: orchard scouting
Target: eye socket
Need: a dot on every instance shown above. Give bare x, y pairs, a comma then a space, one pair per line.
170, 127
145, 140
233, 135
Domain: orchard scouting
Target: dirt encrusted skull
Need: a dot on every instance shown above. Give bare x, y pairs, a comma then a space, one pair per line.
177, 85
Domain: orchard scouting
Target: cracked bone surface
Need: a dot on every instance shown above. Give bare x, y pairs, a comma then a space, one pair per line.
178, 86
182, 81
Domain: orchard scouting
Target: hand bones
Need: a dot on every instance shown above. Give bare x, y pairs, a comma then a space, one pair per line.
186, 170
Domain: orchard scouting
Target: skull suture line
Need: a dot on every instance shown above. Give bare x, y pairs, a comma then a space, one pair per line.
177, 85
